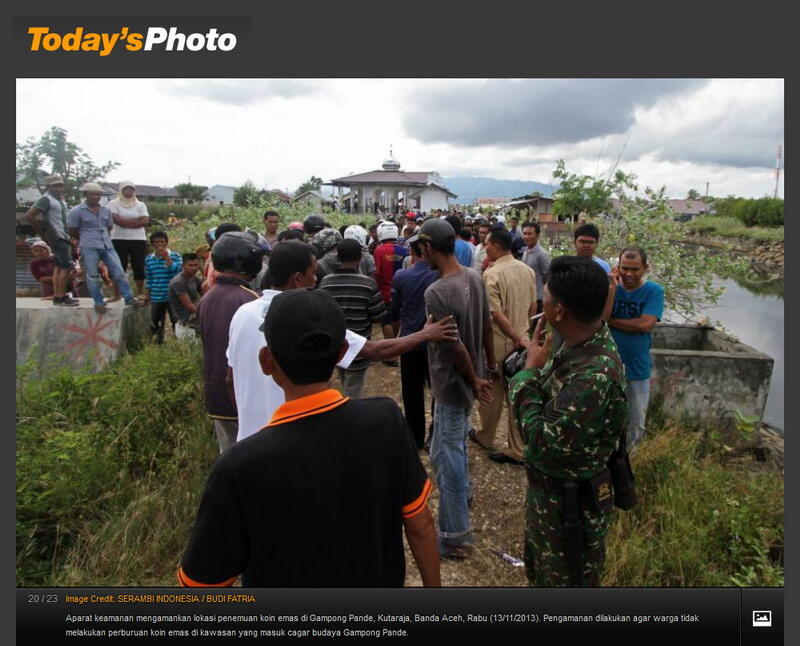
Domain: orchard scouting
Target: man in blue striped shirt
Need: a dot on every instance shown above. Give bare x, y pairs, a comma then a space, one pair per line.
160, 267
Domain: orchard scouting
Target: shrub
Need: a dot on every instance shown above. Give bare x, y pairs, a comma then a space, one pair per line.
163, 212
765, 212
699, 522
89, 446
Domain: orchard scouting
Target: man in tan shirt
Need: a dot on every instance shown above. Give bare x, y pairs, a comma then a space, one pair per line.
511, 286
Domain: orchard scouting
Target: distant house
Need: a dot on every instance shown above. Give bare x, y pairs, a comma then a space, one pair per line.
490, 201
685, 209
27, 196
688, 209
312, 198
391, 189
281, 195
144, 192
219, 195
539, 208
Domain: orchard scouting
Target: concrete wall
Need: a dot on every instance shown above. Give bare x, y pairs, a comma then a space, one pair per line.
77, 336
431, 199
704, 374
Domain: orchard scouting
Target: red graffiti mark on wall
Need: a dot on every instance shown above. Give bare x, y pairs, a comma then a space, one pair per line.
90, 336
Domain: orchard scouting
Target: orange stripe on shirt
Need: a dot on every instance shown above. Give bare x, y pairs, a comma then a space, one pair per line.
187, 582
320, 402
412, 509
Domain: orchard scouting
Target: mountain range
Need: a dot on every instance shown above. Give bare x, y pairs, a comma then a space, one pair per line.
469, 189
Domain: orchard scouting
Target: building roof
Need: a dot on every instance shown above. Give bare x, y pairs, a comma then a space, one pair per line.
315, 194
693, 207
441, 188
689, 206
143, 190
285, 197
530, 200
383, 177
490, 200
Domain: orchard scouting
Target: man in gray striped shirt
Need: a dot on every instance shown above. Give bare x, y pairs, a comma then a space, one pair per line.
361, 302
536, 258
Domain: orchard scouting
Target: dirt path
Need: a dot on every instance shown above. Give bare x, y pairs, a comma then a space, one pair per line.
497, 512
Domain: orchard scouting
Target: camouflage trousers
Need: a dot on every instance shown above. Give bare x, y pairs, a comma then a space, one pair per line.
545, 562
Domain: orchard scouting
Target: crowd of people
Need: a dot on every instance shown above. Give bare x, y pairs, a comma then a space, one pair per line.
453, 313
313, 486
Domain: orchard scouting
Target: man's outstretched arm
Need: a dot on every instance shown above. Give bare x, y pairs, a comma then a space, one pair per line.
444, 330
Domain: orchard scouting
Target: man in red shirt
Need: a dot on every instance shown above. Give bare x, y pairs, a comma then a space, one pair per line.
389, 256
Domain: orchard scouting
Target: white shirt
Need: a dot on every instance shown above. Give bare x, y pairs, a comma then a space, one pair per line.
478, 256
257, 394
121, 233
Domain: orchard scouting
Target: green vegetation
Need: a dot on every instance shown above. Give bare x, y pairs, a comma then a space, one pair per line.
765, 212
163, 212
61, 156
702, 520
729, 226
109, 469
191, 192
649, 222
189, 234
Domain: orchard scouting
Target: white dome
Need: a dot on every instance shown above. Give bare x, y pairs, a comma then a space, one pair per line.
391, 164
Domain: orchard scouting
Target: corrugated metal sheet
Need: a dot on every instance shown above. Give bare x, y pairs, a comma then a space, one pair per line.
23, 258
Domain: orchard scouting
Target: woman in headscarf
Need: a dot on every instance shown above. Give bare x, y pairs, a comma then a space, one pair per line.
42, 267
128, 235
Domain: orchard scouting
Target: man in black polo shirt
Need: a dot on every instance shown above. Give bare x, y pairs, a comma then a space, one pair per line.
237, 259
319, 497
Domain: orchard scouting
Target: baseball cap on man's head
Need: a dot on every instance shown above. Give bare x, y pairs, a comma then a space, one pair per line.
92, 187
52, 180
305, 330
438, 232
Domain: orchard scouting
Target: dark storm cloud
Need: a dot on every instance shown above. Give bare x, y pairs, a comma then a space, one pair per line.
533, 111
241, 92
746, 139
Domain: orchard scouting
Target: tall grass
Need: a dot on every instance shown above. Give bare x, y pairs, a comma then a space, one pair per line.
109, 469
733, 227
701, 520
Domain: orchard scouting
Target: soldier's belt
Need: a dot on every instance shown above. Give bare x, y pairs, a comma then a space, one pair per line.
594, 494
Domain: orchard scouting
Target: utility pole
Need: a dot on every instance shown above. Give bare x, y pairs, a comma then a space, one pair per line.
706, 200
777, 172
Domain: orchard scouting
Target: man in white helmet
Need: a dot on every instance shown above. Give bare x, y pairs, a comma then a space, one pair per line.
389, 256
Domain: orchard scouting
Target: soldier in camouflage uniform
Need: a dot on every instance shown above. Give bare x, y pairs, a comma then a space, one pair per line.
313, 224
572, 411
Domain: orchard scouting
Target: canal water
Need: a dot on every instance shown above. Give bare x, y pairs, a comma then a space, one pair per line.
754, 314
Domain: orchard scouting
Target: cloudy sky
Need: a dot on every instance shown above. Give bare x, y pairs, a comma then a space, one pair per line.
674, 132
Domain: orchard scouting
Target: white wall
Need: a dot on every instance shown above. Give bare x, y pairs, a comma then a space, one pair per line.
432, 198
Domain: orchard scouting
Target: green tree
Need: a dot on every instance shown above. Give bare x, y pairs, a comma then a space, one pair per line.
191, 192
581, 195
686, 273
693, 195
311, 184
53, 150
248, 195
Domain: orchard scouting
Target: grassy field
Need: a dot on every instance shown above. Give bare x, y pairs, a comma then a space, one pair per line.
110, 468
731, 227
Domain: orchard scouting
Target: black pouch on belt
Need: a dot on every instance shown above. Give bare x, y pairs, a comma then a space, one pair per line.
619, 464
600, 491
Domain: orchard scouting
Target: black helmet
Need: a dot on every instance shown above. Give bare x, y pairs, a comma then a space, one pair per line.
237, 251
313, 223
